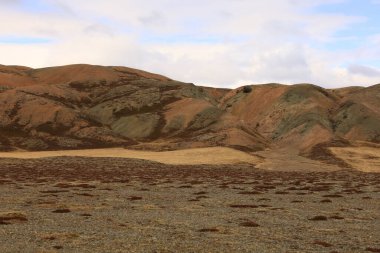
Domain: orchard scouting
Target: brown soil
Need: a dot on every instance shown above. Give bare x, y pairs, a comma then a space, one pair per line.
78, 204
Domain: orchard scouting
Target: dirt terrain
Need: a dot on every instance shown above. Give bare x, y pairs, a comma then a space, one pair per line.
366, 158
77, 204
214, 155
362, 157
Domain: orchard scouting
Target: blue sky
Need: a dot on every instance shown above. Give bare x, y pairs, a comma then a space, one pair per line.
23, 40
223, 43
368, 26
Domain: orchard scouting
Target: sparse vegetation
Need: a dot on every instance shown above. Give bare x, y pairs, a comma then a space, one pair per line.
247, 89
319, 218
71, 200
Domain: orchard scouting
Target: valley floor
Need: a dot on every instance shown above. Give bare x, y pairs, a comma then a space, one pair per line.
78, 204
361, 157
212, 155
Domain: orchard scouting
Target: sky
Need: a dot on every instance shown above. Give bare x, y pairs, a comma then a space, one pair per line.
220, 43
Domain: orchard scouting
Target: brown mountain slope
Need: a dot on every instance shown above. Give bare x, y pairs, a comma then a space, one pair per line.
81, 106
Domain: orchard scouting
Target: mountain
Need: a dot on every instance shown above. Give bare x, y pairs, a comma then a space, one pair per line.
86, 106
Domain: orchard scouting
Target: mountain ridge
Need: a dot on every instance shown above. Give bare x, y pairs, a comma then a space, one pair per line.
90, 106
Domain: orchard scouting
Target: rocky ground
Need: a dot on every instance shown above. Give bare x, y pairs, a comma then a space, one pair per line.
125, 205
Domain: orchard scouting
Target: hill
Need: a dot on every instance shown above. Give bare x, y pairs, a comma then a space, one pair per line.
86, 106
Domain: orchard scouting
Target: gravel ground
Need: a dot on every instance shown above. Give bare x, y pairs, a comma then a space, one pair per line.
92, 205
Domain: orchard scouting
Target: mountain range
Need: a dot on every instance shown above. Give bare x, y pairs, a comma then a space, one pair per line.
86, 106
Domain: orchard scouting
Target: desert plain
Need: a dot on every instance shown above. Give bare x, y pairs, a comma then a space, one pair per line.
111, 200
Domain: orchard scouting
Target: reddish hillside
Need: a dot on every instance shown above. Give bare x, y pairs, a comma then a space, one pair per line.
80, 106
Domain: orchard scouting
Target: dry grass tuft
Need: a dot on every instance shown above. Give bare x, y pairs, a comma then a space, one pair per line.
332, 196
203, 230
12, 217
244, 206
336, 217
133, 198
372, 249
251, 224
250, 192
322, 243
62, 210
319, 218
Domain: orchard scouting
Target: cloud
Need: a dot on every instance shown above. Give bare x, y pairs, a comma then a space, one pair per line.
23, 40
221, 43
364, 71
99, 28
154, 18
10, 2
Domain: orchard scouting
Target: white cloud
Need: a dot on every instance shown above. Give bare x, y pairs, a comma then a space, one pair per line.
10, 1
364, 71
215, 42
